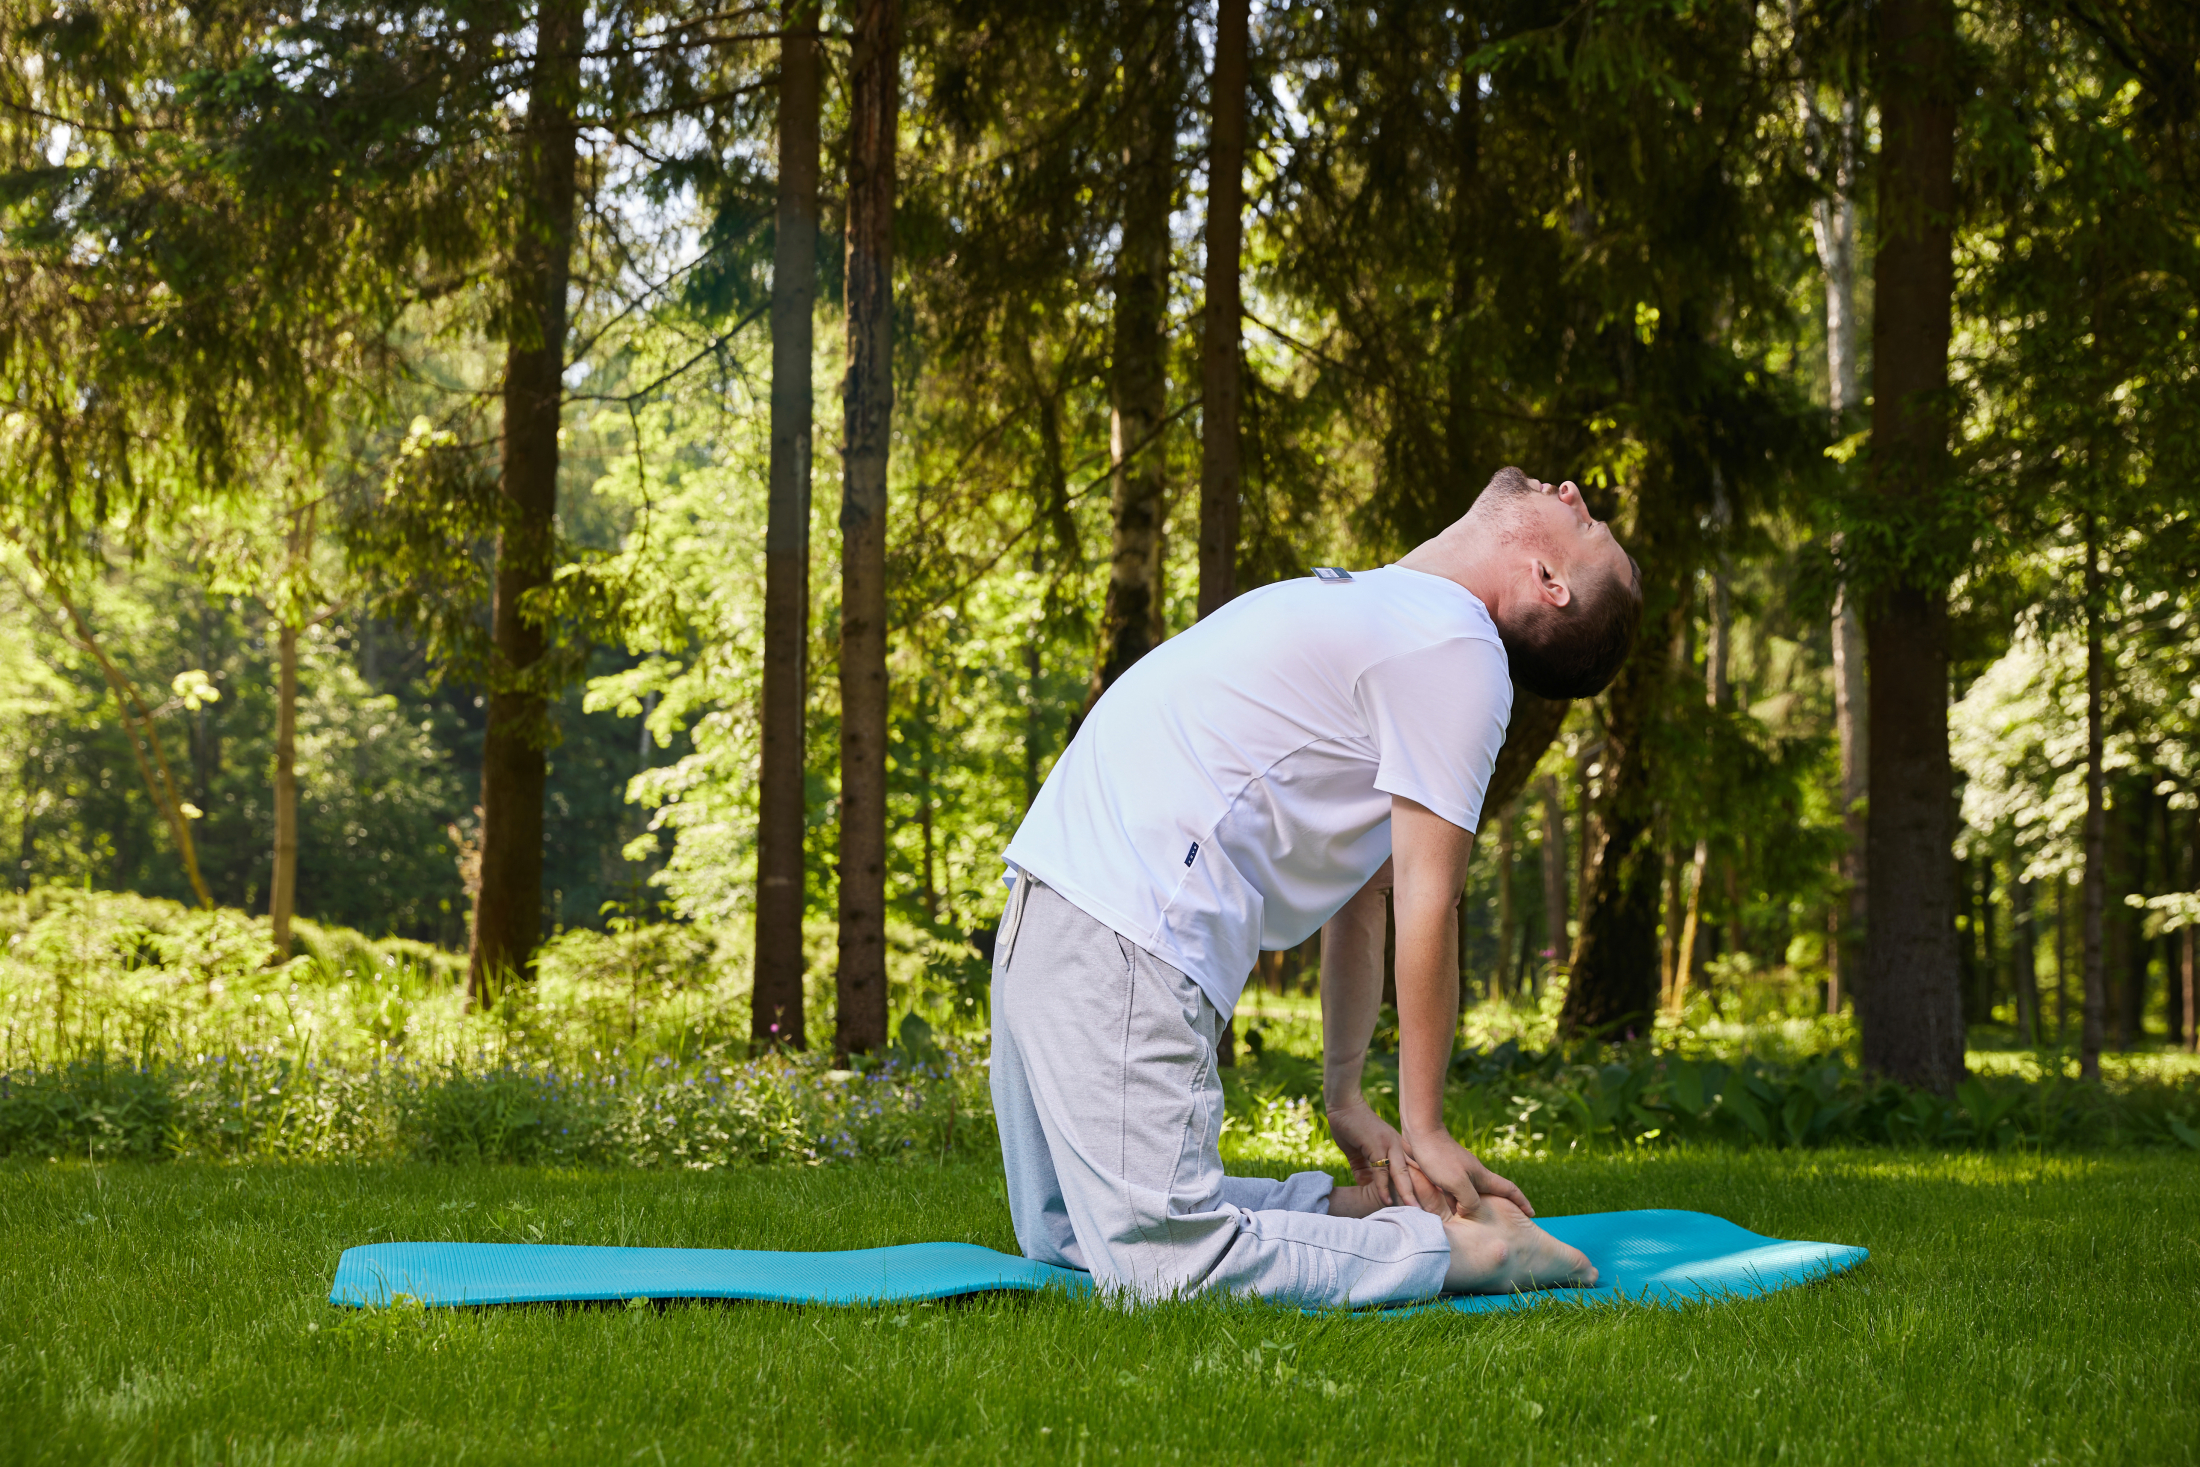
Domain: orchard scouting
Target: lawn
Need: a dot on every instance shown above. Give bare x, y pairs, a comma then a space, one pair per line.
2015, 1309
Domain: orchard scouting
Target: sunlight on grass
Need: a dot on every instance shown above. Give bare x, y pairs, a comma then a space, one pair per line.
2014, 1309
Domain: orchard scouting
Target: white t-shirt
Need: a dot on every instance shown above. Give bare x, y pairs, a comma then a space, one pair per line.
1232, 790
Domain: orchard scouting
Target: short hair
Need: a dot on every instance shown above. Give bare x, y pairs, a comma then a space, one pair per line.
1575, 650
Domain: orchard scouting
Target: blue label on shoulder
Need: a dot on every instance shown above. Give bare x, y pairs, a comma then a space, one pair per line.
1331, 574
1192, 854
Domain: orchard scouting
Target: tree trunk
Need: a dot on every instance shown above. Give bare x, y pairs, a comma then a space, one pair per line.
2131, 993
2187, 1037
514, 754
1684, 961
1851, 725
1833, 227
775, 1011
874, 116
1506, 934
1613, 987
1669, 915
2095, 1008
2191, 1042
1989, 955
2024, 930
2062, 962
1535, 723
282, 894
1220, 470
1132, 623
1468, 470
1555, 882
1913, 1021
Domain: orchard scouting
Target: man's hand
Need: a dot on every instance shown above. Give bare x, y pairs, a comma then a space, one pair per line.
1366, 1138
1447, 1165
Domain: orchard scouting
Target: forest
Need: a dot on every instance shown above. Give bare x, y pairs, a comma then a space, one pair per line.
491, 475
547, 546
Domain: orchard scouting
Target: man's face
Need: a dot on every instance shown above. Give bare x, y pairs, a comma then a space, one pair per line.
1557, 526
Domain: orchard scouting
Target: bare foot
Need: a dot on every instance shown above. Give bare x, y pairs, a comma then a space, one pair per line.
1497, 1250
1358, 1201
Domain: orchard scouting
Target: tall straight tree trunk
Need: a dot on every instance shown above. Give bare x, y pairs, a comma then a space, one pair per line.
1468, 471
1833, 229
1684, 961
775, 1011
2062, 962
1132, 624
2095, 1004
1851, 725
2181, 976
2025, 935
2187, 977
1912, 1012
1506, 925
1614, 983
874, 116
282, 893
2131, 995
1221, 473
514, 754
1670, 903
1613, 987
1555, 880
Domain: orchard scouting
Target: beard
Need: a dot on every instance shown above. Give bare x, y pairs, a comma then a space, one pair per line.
1503, 500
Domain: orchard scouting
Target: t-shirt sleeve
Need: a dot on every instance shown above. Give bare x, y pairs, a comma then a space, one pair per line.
1438, 717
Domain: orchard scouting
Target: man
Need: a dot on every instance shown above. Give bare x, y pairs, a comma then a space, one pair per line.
1273, 771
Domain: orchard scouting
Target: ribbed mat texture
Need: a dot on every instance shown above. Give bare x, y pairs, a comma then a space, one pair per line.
1654, 1256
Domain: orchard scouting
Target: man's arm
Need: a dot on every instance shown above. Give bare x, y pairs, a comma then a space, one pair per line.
1430, 855
1352, 1000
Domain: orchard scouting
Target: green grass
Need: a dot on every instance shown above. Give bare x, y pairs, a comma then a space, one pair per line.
2015, 1309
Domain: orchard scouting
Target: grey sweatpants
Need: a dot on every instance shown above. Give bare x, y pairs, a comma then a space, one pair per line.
1110, 1112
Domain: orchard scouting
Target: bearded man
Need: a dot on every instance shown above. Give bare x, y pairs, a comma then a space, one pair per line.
1271, 772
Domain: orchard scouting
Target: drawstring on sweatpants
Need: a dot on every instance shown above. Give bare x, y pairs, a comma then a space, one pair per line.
1012, 920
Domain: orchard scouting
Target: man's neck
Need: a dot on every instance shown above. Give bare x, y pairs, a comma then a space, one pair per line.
1464, 554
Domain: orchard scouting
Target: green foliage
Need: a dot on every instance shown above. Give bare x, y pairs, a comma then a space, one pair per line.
1535, 1104
778, 1110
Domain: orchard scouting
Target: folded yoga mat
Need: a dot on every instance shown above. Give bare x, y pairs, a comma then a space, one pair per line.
1655, 1256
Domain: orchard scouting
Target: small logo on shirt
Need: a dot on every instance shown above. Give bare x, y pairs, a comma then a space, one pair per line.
1332, 575
1192, 854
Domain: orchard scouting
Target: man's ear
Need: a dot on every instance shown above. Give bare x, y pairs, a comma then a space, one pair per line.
1549, 589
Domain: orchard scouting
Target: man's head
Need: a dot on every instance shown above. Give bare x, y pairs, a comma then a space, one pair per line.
1567, 599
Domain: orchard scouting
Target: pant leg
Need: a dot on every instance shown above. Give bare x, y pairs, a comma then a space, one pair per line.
1034, 1193
1114, 1051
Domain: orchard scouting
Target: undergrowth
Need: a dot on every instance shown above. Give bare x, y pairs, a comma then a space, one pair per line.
137, 1028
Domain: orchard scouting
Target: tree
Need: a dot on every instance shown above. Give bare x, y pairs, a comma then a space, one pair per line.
868, 395
538, 273
1132, 623
291, 600
1912, 1016
1831, 141
776, 1016
1220, 474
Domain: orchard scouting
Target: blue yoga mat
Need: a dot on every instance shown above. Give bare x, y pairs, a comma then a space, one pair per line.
1656, 1256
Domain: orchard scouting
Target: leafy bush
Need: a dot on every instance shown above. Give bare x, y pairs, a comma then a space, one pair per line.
777, 1109
1518, 1101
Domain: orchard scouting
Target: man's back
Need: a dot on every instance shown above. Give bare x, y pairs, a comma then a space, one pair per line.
1232, 789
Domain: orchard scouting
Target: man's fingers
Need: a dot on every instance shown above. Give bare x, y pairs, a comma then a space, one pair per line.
1497, 1186
1451, 1201
1401, 1176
